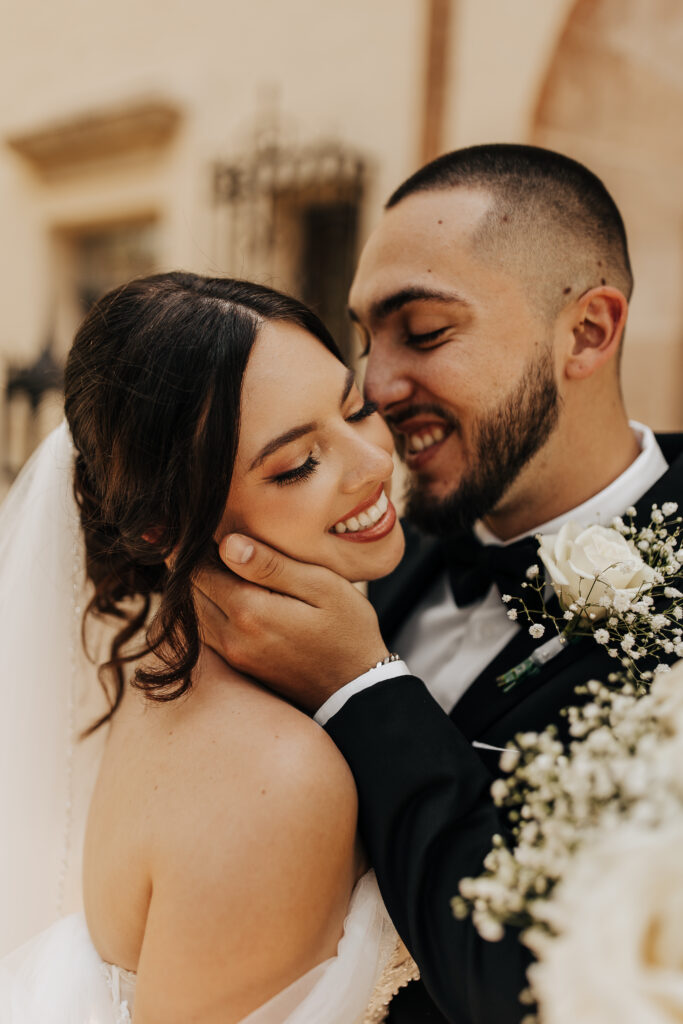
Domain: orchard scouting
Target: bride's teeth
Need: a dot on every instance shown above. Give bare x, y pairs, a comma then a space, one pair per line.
416, 443
368, 517
438, 433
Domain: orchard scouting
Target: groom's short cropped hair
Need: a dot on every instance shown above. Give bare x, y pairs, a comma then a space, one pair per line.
551, 218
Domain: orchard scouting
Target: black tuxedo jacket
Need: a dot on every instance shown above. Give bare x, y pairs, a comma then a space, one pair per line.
425, 810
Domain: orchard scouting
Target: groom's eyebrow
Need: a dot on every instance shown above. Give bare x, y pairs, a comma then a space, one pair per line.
382, 308
296, 432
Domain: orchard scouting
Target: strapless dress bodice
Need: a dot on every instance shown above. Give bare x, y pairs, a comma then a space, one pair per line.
59, 977
122, 987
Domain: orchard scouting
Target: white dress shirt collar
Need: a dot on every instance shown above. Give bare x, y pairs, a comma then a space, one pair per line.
635, 481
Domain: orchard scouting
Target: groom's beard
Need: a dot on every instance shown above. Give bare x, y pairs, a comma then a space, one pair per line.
504, 441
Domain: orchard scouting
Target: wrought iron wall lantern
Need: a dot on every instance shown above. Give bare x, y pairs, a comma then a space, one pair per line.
289, 215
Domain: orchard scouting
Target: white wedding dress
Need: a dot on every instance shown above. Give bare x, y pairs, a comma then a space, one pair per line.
58, 977
49, 695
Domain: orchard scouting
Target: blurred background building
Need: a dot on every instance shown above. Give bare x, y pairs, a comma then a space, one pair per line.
260, 139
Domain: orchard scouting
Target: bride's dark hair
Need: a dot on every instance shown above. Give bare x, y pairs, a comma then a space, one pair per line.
152, 397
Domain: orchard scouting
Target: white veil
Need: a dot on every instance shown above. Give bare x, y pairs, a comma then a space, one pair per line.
48, 694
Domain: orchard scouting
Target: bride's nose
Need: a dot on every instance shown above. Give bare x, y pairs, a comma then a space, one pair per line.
367, 463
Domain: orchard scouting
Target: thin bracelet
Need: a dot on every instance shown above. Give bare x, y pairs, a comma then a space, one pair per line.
388, 660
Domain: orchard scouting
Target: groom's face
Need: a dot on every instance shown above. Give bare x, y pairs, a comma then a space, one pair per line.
460, 361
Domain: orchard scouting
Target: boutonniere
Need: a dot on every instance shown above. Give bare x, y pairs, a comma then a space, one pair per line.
615, 583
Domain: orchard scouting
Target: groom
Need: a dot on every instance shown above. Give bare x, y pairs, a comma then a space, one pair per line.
492, 299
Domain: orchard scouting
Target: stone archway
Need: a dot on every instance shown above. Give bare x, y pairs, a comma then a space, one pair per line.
613, 99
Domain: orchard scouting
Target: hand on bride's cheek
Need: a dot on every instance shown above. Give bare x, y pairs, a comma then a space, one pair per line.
310, 453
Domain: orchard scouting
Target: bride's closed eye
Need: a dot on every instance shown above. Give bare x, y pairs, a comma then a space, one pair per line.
302, 472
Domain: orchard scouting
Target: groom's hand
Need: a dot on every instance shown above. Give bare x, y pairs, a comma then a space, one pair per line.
300, 628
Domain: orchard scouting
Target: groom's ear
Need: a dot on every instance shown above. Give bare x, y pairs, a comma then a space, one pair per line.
598, 320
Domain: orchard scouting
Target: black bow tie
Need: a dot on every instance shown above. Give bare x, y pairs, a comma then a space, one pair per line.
473, 567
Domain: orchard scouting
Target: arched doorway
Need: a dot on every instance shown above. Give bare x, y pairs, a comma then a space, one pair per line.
613, 99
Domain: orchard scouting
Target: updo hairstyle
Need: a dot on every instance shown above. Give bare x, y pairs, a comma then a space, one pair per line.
152, 396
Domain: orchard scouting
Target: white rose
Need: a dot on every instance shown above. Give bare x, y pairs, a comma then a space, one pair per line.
619, 954
576, 556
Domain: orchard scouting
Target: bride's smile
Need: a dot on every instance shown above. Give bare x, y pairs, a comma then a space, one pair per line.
314, 460
373, 519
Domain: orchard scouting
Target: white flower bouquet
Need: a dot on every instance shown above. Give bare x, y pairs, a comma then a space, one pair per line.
594, 873
618, 913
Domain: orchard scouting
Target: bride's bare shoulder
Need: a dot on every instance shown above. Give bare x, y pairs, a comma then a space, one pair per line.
227, 759
232, 712
232, 736
252, 852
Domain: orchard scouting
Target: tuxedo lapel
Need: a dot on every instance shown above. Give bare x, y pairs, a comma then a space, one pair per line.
395, 596
672, 450
484, 702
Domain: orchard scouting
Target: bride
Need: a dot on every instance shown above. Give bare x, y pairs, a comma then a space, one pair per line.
222, 879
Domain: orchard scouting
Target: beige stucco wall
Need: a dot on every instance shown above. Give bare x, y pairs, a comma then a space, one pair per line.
613, 98
353, 71
348, 70
500, 51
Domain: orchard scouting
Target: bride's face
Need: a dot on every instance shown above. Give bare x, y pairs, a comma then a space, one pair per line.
314, 462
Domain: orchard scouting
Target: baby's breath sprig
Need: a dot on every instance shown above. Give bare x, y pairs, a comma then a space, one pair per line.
617, 584
623, 765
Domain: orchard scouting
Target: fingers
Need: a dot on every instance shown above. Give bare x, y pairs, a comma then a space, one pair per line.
237, 638
224, 599
257, 563
228, 607
222, 588
212, 621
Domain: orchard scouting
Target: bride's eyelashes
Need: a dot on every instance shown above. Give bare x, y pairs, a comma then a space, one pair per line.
302, 472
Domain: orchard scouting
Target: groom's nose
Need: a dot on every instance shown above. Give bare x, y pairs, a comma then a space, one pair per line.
388, 380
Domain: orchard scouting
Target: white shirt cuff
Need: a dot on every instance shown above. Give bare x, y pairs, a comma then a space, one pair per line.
337, 701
